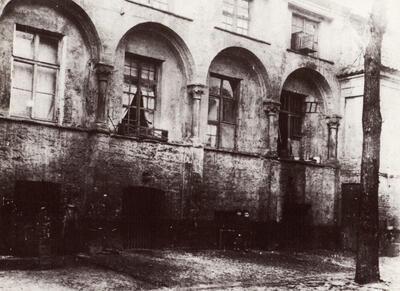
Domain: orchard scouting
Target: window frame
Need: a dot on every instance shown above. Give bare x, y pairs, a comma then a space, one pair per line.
36, 63
138, 129
220, 122
305, 19
236, 17
156, 4
292, 111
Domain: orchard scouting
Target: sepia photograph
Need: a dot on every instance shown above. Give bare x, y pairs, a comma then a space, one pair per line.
199, 145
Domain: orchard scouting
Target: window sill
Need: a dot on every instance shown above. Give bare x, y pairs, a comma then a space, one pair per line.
160, 10
242, 35
306, 55
306, 163
232, 152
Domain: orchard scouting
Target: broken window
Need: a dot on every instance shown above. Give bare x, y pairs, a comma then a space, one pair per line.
139, 97
304, 34
222, 112
236, 16
35, 74
159, 4
290, 121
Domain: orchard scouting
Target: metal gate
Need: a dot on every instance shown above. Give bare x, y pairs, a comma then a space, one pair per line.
141, 217
350, 196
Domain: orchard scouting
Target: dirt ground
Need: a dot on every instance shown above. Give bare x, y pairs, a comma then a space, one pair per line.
206, 270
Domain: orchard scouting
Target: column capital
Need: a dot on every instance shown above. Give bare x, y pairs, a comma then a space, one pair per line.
333, 121
103, 70
196, 90
271, 107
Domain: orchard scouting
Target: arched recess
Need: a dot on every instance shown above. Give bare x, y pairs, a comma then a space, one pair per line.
76, 49
302, 119
155, 44
73, 11
247, 81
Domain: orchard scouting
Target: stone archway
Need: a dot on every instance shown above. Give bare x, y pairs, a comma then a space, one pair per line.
302, 118
247, 80
72, 10
155, 45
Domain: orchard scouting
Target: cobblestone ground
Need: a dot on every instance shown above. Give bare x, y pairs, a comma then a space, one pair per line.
207, 270
68, 279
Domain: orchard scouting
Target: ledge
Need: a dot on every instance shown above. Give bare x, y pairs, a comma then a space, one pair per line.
305, 163
233, 152
160, 10
315, 58
242, 35
88, 131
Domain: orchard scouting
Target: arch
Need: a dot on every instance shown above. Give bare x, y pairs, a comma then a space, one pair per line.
316, 79
170, 36
71, 10
251, 59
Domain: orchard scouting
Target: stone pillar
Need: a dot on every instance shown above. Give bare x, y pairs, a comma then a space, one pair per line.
103, 72
333, 127
271, 109
196, 92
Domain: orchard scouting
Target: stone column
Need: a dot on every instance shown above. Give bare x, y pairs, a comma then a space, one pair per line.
196, 92
103, 72
271, 109
333, 127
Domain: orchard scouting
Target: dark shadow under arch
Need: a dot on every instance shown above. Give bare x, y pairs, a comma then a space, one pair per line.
316, 79
170, 36
251, 59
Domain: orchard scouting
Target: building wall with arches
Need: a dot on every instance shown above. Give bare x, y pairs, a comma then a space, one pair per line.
86, 152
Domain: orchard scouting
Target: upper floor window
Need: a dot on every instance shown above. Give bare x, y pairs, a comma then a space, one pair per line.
222, 111
160, 4
236, 16
36, 65
140, 97
290, 122
304, 34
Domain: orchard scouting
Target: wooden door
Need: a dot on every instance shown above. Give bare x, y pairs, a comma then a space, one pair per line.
350, 196
141, 216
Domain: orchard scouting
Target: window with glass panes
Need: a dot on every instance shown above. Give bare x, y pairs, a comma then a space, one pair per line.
290, 119
222, 112
35, 73
139, 94
307, 28
160, 4
236, 16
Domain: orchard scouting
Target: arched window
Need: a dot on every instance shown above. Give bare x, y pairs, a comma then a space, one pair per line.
222, 111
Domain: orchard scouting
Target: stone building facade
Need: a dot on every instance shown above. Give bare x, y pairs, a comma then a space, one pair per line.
217, 106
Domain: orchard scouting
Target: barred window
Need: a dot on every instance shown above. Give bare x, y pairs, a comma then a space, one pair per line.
236, 16
222, 111
35, 74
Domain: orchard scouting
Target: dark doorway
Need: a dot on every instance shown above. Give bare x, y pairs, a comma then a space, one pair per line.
37, 218
142, 217
350, 194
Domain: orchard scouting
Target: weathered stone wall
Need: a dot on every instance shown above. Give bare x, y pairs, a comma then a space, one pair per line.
237, 181
314, 185
89, 165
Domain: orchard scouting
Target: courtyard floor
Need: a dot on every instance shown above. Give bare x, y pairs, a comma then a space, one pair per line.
204, 270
